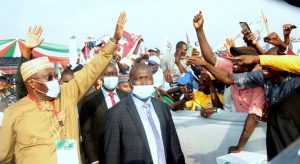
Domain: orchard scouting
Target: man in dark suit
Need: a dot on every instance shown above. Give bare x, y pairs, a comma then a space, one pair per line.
140, 129
93, 111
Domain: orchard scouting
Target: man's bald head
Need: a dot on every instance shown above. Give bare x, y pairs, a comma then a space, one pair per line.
141, 74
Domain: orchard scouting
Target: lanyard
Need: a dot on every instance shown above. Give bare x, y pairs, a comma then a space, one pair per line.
57, 115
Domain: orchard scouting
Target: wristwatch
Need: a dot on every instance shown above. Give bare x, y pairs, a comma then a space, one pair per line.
215, 110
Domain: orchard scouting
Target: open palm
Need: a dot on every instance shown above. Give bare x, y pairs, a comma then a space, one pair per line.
120, 26
33, 39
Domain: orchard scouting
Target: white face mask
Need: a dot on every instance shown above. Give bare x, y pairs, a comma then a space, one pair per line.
110, 82
53, 88
143, 91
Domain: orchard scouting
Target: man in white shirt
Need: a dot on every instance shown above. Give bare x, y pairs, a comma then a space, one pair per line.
176, 63
158, 75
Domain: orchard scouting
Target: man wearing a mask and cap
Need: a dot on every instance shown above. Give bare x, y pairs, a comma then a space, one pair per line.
43, 126
93, 111
154, 52
158, 75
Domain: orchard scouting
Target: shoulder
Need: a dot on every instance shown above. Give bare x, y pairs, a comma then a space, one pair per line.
122, 93
18, 108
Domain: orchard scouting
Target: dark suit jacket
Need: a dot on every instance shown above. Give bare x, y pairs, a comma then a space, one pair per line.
92, 122
125, 139
283, 127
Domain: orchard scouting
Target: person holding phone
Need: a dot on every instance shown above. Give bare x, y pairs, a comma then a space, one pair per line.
206, 97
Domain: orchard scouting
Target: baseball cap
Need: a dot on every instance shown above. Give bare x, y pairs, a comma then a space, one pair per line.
154, 50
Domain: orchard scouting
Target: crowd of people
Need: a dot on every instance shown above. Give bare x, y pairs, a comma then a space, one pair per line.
118, 110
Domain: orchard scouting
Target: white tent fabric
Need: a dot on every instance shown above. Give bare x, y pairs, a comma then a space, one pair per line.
202, 140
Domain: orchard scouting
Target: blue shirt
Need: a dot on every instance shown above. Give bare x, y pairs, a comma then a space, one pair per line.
273, 91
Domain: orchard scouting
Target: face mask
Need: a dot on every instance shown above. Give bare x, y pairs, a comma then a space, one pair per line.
53, 88
110, 82
143, 91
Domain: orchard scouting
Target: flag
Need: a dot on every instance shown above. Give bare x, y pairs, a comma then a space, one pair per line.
189, 44
128, 42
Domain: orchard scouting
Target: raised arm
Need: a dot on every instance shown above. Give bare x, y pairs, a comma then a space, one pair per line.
287, 29
206, 51
221, 75
86, 77
213, 93
290, 63
136, 50
275, 40
32, 41
250, 39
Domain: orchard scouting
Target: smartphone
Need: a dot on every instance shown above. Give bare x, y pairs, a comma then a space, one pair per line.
293, 26
266, 39
244, 26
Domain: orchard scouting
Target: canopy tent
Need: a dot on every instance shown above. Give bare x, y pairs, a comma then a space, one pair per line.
10, 50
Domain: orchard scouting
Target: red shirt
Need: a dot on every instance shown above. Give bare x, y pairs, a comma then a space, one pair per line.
250, 100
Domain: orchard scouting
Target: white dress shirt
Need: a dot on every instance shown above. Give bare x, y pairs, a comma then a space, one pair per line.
108, 99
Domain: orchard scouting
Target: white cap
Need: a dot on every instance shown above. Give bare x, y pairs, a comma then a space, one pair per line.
126, 61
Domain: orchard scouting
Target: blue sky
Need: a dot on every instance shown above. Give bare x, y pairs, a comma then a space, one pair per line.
155, 20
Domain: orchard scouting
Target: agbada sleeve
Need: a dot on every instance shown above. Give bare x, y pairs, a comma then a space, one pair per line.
7, 137
290, 63
86, 77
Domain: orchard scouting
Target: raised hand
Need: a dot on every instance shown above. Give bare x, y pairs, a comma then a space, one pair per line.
195, 52
287, 29
196, 61
119, 27
249, 37
168, 74
198, 21
228, 44
140, 41
273, 39
33, 39
189, 95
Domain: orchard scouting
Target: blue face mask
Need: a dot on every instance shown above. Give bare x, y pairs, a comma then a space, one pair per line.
53, 88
